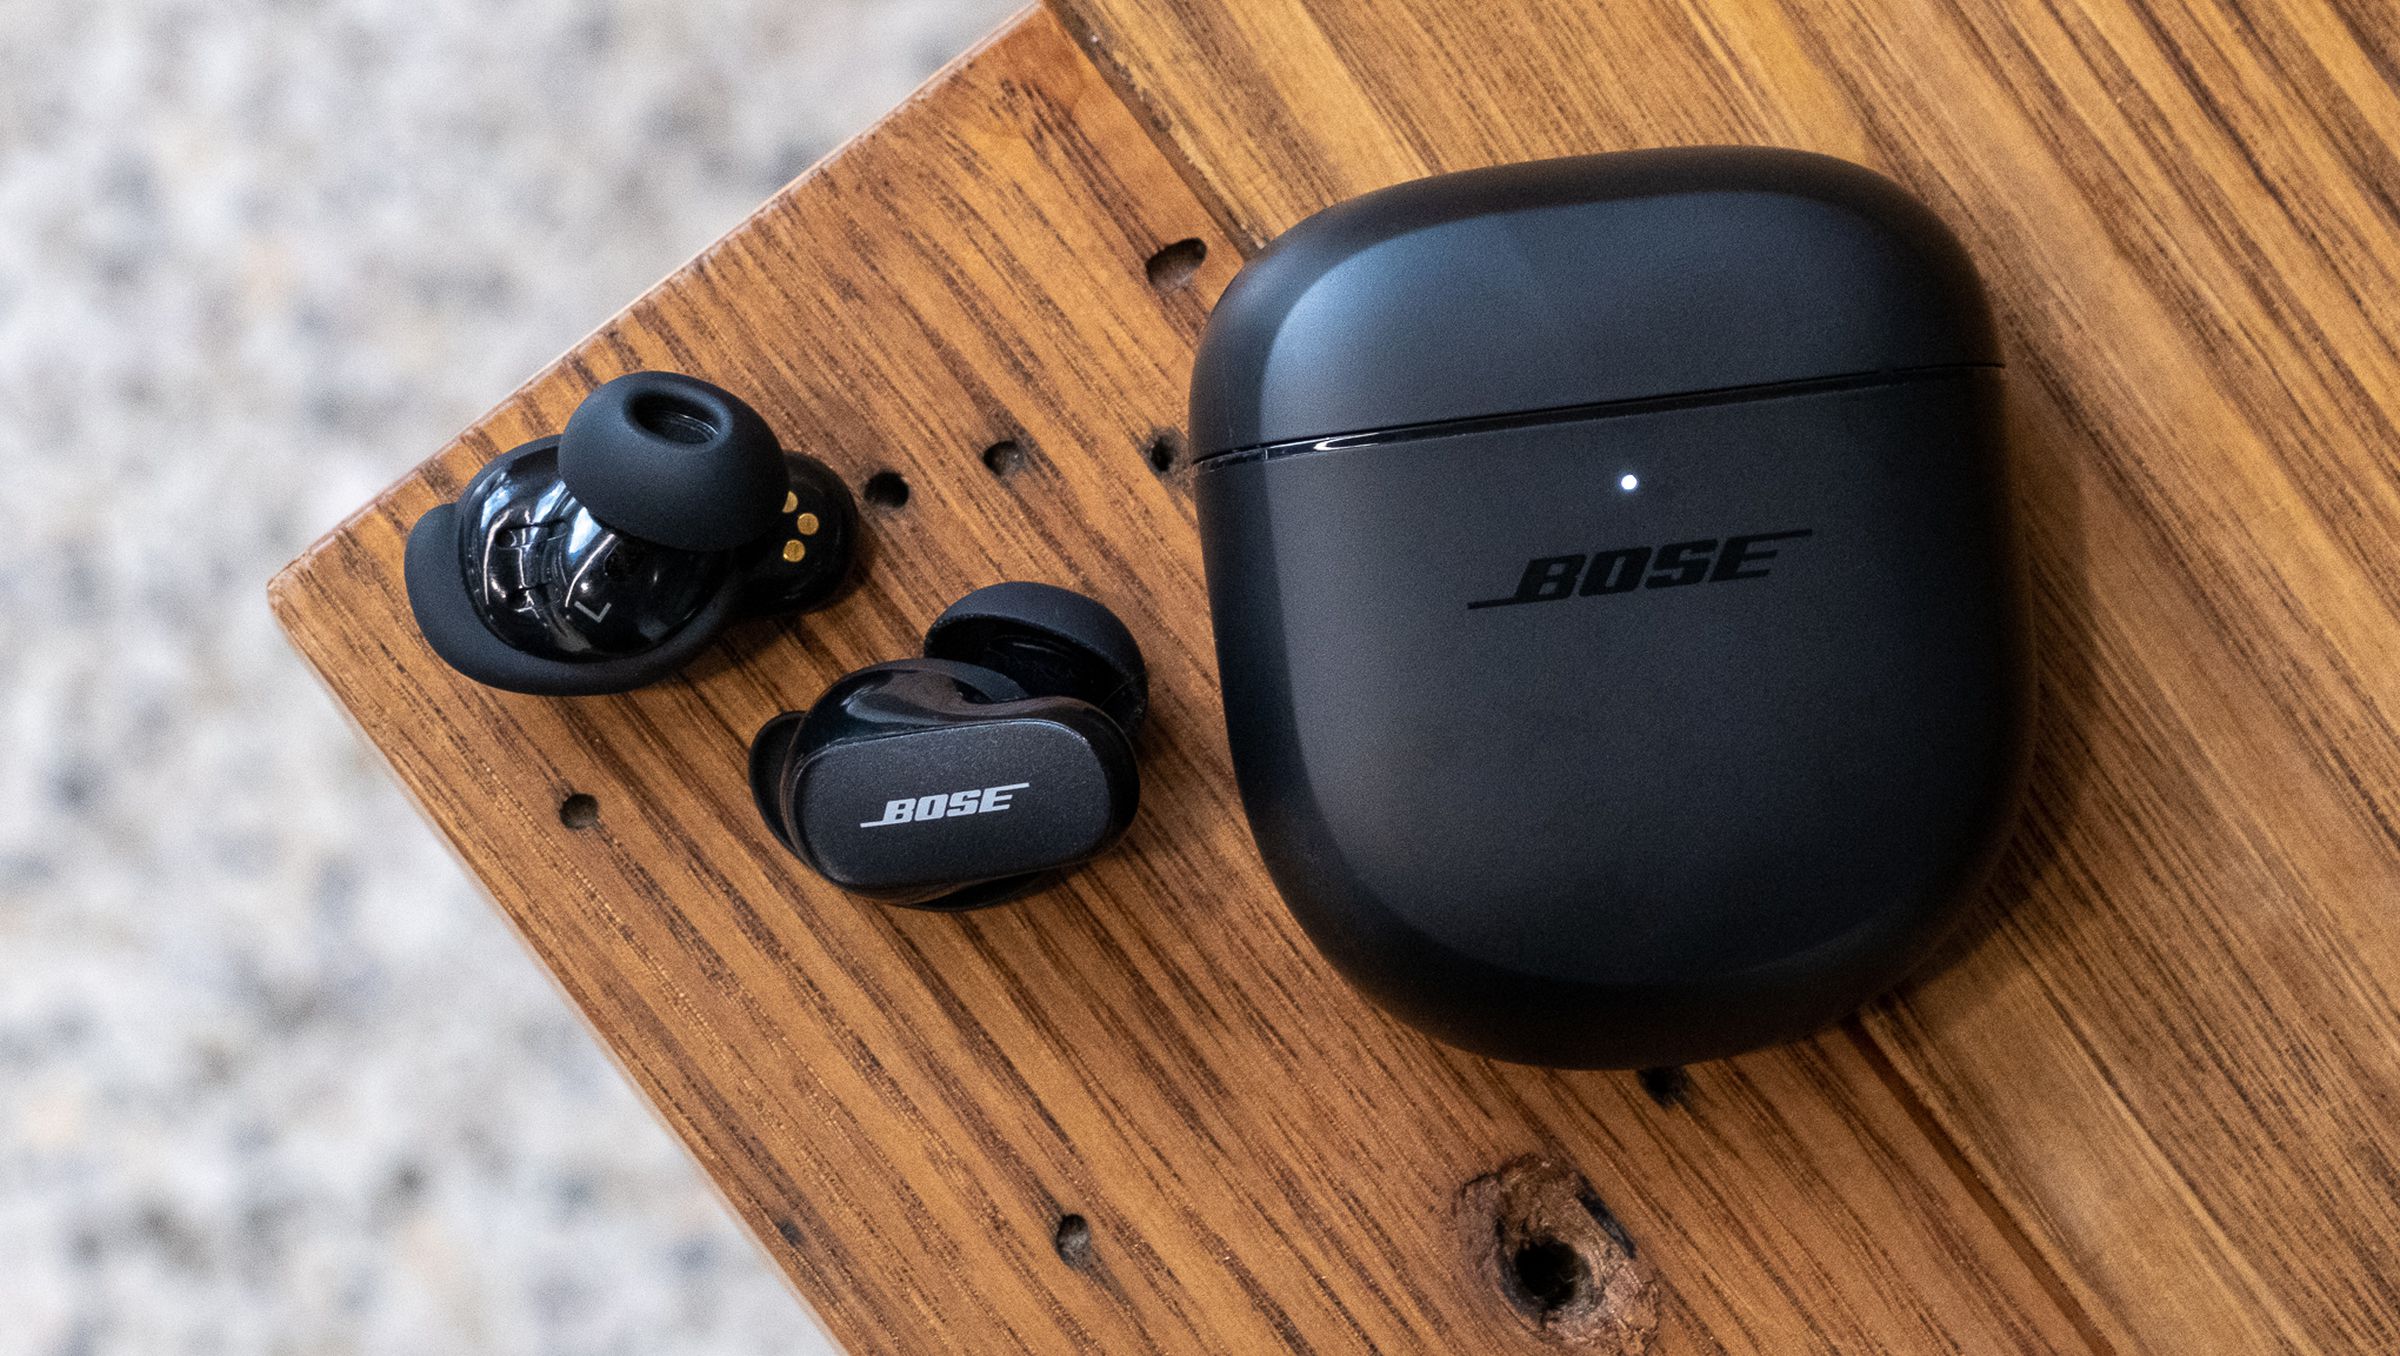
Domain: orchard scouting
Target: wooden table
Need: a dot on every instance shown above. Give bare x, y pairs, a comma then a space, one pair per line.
2148, 1101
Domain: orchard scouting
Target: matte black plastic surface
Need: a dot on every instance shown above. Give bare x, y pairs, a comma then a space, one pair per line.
1676, 714
943, 785
773, 583
970, 776
1573, 282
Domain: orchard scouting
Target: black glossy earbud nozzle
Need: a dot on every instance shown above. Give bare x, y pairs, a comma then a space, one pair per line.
437, 595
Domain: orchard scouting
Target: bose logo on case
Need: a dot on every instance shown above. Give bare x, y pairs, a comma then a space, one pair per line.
910, 809
1547, 579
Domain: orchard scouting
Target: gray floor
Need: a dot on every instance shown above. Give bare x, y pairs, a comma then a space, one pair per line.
273, 1078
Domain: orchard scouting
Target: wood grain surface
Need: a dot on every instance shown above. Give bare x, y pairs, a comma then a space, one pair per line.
2170, 1044
1136, 1113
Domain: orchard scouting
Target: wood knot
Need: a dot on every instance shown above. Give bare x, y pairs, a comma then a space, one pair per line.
1542, 1238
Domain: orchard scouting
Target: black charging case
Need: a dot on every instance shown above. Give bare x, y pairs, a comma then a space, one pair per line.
1614, 594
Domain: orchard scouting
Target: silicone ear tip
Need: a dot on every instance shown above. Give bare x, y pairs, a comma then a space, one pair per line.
437, 595
975, 629
675, 460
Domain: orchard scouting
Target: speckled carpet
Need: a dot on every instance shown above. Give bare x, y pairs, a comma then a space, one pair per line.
273, 1077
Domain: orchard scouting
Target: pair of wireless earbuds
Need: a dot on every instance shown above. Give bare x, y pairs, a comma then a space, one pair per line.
610, 555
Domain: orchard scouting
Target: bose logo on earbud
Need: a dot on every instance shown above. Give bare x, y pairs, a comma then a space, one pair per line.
907, 810
1547, 579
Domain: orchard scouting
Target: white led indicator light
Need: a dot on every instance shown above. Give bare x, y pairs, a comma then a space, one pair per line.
1629, 482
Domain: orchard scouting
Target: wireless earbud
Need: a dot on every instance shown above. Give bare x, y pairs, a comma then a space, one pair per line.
974, 774
608, 556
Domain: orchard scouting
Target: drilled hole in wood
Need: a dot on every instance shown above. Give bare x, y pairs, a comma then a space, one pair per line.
1667, 1084
887, 490
1163, 451
1004, 457
579, 811
1174, 265
1073, 1240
